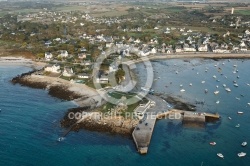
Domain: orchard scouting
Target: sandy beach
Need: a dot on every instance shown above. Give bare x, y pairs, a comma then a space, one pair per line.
12, 61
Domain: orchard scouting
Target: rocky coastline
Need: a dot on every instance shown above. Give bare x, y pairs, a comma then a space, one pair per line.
58, 91
65, 90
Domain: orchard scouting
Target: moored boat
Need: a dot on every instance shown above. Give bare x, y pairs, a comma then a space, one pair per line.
212, 143
238, 125
216, 92
242, 154
240, 112
220, 155
244, 144
182, 90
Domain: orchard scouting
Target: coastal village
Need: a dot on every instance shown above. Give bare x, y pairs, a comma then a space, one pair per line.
70, 42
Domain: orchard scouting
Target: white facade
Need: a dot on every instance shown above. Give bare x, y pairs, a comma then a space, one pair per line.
48, 55
53, 69
63, 54
68, 72
203, 48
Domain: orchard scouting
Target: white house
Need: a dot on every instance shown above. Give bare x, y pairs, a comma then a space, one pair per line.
81, 55
178, 49
203, 48
153, 51
53, 68
188, 48
68, 72
103, 79
113, 68
83, 75
63, 54
48, 56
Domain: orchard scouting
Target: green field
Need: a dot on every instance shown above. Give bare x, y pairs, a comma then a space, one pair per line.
243, 12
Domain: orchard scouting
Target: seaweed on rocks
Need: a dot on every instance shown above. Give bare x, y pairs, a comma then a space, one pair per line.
67, 121
179, 104
63, 93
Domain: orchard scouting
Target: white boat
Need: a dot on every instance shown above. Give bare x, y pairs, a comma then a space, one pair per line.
229, 118
217, 86
224, 85
181, 85
238, 125
216, 92
236, 85
240, 112
217, 102
190, 84
176, 72
248, 84
228, 89
182, 90
203, 82
220, 155
60, 139
145, 89
212, 143
206, 91
214, 76
237, 98
244, 144
242, 154
235, 65
248, 104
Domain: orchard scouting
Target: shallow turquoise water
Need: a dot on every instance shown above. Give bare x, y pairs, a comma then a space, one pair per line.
29, 121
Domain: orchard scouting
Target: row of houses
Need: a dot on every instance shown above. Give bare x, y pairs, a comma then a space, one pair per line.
66, 72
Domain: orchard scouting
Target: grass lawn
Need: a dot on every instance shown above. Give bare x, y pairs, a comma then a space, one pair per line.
243, 12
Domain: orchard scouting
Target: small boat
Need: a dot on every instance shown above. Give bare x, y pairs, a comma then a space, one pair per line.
206, 91
237, 98
248, 104
217, 102
217, 86
248, 84
228, 89
203, 82
220, 155
214, 76
182, 90
229, 118
234, 81
218, 80
244, 144
176, 72
205, 70
190, 84
60, 139
235, 65
197, 73
242, 154
216, 92
238, 125
236, 85
181, 85
240, 112
224, 85
212, 143
225, 76
238, 76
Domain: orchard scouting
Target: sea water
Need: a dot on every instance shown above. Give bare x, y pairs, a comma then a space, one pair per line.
30, 122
